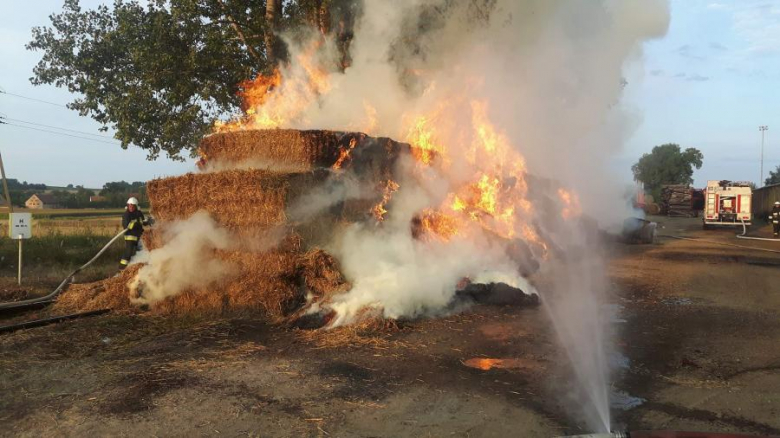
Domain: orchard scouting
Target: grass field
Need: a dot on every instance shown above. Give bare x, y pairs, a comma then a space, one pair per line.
62, 240
67, 213
79, 222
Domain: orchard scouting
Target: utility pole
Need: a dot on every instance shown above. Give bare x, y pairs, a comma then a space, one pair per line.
763, 129
5, 187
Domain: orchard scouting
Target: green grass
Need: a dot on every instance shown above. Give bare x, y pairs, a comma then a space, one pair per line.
61, 251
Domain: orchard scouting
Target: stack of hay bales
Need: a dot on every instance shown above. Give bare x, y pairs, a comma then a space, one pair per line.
251, 179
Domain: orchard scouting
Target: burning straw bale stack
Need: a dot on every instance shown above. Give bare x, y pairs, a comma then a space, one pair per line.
305, 150
677, 201
287, 149
252, 203
240, 200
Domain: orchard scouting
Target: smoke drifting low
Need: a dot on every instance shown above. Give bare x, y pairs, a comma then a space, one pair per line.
184, 262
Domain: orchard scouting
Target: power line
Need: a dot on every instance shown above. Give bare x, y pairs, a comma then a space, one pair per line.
59, 133
32, 98
57, 127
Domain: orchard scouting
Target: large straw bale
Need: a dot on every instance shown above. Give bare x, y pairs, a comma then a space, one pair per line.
234, 198
305, 150
283, 146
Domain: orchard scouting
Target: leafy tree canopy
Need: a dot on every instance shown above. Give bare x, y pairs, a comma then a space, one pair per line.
667, 164
160, 72
774, 177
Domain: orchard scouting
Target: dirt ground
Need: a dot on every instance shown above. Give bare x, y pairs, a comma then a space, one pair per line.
698, 333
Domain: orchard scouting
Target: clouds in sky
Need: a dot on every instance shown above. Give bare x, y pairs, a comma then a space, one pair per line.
757, 22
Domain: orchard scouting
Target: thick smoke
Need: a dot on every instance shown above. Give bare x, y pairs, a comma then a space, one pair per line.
184, 262
552, 73
548, 75
406, 277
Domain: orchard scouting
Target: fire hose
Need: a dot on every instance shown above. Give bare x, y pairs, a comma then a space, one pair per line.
744, 232
715, 242
65, 282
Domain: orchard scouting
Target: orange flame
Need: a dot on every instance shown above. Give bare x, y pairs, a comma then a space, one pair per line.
440, 225
484, 364
422, 138
281, 98
493, 197
571, 204
344, 154
379, 210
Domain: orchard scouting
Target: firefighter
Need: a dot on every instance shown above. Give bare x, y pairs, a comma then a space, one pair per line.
775, 218
133, 220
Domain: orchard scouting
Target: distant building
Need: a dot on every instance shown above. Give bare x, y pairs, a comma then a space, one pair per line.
41, 201
98, 198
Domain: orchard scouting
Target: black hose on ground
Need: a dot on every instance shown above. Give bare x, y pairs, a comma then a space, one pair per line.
50, 297
52, 320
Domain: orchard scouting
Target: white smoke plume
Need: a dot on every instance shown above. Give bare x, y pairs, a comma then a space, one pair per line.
548, 76
552, 73
335, 190
184, 262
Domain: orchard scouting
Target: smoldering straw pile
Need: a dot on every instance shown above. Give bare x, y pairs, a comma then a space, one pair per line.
273, 264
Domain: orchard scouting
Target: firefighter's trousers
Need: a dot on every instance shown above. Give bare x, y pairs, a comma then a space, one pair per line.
131, 246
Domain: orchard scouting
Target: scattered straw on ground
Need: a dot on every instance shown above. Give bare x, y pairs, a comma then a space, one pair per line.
273, 283
372, 332
110, 293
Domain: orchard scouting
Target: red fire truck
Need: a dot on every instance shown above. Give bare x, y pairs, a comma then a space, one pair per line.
727, 203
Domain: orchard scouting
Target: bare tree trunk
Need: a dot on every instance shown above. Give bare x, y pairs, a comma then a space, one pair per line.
272, 10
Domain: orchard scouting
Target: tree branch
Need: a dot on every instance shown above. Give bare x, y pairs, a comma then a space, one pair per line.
241, 36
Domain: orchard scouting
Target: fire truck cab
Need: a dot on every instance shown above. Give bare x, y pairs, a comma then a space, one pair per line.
727, 203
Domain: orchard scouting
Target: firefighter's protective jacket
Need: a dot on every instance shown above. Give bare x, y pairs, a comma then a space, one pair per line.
134, 222
775, 216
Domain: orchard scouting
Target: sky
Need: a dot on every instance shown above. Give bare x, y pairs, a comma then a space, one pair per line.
709, 84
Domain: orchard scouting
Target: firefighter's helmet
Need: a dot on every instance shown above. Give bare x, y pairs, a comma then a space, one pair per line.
132, 201
777, 202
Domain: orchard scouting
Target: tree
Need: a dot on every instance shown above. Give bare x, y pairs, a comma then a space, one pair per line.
667, 164
160, 72
774, 177
158, 75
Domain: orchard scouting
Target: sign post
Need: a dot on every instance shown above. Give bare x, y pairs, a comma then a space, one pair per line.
20, 228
